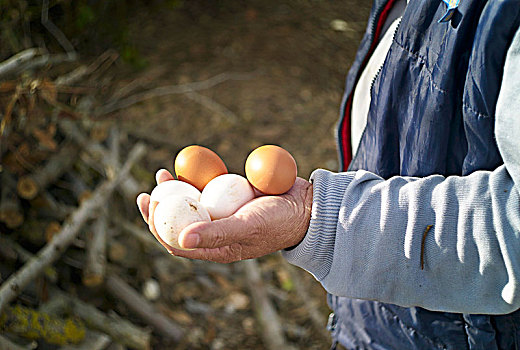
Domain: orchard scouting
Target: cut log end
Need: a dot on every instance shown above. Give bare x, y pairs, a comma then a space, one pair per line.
99, 132
92, 280
11, 218
51, 230
84, 196
27, 188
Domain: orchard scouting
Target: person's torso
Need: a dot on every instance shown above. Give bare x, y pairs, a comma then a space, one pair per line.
431, 112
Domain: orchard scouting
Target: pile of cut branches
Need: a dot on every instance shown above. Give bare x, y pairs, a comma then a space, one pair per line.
60, 172
78, 269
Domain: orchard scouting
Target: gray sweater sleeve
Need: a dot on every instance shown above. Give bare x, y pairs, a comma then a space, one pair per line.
365, 240
368, 238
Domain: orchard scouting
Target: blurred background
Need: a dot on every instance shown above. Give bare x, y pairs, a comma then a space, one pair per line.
95, 97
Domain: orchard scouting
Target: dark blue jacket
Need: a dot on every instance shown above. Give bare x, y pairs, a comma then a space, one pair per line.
447, 76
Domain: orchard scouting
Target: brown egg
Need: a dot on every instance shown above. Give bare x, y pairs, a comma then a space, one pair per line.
198, 165
271, 169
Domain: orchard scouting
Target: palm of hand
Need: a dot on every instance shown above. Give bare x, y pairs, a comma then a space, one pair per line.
262, 226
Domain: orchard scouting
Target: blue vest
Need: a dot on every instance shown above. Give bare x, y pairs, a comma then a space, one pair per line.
432, 112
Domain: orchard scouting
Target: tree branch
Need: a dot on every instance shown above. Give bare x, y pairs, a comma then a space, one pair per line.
144, 309
23, 255
55, 31
317, 318
129, 186
213, 105
105, 59
13, 62
30, 185
272, 330
92, 341
95, 264
171, 90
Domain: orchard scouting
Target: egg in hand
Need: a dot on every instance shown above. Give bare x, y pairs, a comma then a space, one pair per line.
271, 169
174, 187
225, 194
198, 165
174, 213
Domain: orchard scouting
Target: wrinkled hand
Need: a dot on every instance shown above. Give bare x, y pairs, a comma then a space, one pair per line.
264, 225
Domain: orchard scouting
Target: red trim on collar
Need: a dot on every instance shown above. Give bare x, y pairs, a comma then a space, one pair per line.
345, 126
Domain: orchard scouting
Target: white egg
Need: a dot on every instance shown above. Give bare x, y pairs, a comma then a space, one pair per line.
223, 195
173, 214
174, 187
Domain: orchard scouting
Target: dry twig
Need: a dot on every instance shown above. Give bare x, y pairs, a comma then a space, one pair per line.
24, 256
272, 330
92, 341
77, 185
95, 265
129, 186
141, 307
55, 31
171, 90
29, 186
213, 106
105, 59
43, 60
317, 318
47, 206
13, 62
141, 234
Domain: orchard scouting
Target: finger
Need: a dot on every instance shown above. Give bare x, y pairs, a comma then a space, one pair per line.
163, 175
143, 203
225, 254
299, 183
215, 234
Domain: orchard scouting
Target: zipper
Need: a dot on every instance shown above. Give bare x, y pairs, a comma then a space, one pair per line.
343, 135
381, 66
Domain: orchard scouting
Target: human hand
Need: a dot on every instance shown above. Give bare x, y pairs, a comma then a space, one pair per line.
264, 225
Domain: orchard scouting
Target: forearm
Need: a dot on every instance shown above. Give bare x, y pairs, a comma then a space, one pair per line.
365, 240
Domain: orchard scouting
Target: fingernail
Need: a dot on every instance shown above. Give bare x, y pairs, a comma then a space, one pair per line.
191, 240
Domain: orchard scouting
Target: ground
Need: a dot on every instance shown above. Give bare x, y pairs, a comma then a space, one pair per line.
298, 64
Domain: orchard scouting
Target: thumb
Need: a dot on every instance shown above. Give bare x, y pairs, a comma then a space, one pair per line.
214, 234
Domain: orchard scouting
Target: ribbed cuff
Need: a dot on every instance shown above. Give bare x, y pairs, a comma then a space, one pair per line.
315, 253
